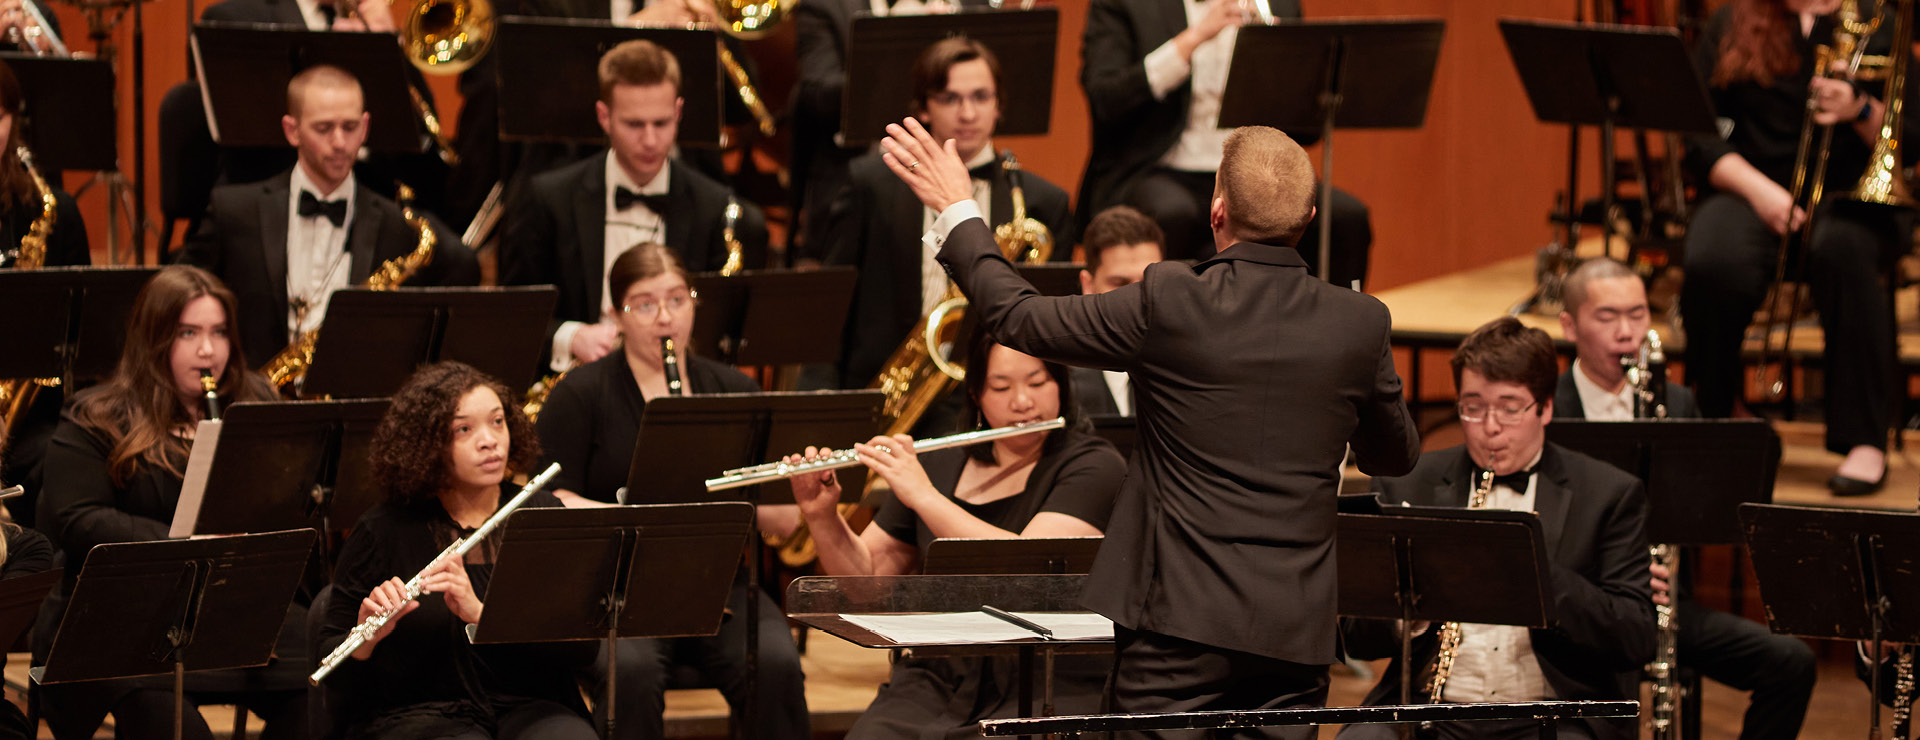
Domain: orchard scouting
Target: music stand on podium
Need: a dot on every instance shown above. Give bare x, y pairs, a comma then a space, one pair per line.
172, 606
1016, 557
373, 340
281, 465
1319, 75
772, 317
888, 46
1838, 574
546, 75
614, 557
245, 67
89, 308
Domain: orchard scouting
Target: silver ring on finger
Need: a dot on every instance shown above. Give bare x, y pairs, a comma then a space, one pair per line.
913, 165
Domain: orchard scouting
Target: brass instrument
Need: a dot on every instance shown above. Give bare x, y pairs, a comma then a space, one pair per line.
780, 469
210, 390
670, 363
365, 631
288, 368
736, 252
17, 395
536, 397
1450, 631
1647, 373
38, 37
447, 37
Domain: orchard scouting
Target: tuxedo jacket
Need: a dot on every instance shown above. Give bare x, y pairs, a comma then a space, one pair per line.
556, 233
1593, 517
1566, 400
1132, 130
243, 240
1250, 378
1091, 392
875, 224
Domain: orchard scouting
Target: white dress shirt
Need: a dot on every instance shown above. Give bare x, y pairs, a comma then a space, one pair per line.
1599, 403
1495, 662
310, 11
1202, 143
933, 279
317, 260
624, 229
1119, 385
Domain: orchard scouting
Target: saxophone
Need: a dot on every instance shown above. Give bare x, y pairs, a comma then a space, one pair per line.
1450, 631
17, 395
289, 368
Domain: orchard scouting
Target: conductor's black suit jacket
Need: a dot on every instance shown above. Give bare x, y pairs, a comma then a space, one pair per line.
1593, 517
243, 240
1250, 378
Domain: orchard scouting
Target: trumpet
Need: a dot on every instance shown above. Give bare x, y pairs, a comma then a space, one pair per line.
742, 477
35, 34
365, 631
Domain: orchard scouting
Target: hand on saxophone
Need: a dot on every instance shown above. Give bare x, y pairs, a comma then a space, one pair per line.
384, 597
593, 341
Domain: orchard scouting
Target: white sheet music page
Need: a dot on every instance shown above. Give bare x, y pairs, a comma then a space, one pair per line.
967, 628
193, 488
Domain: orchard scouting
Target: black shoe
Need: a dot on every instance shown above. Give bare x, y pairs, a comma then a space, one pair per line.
1842, 485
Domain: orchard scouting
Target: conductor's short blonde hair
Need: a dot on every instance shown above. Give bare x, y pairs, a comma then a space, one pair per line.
1268, 184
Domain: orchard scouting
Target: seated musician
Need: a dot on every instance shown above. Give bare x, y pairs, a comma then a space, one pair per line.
113, 474
590, 423
1154, 74
443, 455
1048, 484
571, 223
1606, 316
1757, 58
1119, 244
23, 552
875, 223
285, 244
1594, 518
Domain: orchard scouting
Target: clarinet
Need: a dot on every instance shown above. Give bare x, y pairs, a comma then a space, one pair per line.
671, 363
1647, 373
211, 389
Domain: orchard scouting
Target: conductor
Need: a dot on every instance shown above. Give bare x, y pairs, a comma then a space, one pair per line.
1250, 379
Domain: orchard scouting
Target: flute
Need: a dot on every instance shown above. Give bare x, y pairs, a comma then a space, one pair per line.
366, 630
740, 477
212, 389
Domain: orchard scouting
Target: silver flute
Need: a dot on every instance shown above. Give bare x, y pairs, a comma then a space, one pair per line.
739, 477
367, 629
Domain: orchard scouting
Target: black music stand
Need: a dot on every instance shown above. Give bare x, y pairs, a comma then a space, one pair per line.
89, 307
772, 317
1486, 566
1314, 75
882, 50
281, 465
614, 557
373, 340
1838, 574
245, 67
20, 603
1697, 471
548, 85
150, 608
69, 111
1608, 76
955, 556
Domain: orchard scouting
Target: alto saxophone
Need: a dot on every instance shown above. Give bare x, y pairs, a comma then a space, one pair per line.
1450, 631
17, 395
288, 368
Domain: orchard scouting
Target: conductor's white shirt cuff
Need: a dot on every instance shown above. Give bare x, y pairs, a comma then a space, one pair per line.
563, 345
1166, 70
936, 235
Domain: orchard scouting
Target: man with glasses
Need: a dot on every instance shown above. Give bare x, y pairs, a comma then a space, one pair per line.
1593, 516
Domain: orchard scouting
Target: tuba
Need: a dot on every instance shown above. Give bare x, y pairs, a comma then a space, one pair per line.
16, 395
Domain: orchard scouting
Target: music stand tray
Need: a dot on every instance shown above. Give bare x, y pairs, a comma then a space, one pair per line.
69, 112
281, 465
951, 556
881, 52
245, 67
89, 307
546, 74
1697, 471
772, 317
684, 440
372, 340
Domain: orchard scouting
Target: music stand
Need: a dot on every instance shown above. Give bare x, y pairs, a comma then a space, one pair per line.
150, 608
1835, 574
958, 556
1485, 566
20, 603
245, 67
89, 308
548, 82
69, 111
772, 317
281, 465
614, 557
1314, 75
373, 340
887, 47
1697, 471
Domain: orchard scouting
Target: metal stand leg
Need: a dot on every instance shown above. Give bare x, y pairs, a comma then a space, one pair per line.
179, 699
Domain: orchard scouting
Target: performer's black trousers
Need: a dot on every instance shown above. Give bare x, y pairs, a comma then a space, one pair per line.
1730, 262
1179, 201
1745, 655
1157, 673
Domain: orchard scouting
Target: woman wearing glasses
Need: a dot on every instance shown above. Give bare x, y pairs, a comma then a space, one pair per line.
590, 424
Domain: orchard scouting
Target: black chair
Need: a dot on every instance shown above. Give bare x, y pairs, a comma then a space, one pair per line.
189, 160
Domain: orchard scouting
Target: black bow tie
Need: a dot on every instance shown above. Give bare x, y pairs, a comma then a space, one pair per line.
985, 171
624, 199
334, 210
1516, 481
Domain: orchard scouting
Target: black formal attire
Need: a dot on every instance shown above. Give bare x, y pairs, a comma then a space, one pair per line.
21, 454
243, 240
1132, 131
1743, 654
875, 225
1593, 516
426, 680
589, 426
1229, 496
28, 552
1078, 475
83, 507
1091, 392
1730, 252
558, 233
820, 163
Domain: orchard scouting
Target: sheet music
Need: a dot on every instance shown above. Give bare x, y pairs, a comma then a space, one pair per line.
967, 628
199, 466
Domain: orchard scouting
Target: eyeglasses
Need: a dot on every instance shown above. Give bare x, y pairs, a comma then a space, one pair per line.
979, 97
1474, 412
675, 303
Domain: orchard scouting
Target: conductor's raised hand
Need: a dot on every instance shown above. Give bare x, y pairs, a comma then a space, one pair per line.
933, 170
818, 492
382, 599
448, 577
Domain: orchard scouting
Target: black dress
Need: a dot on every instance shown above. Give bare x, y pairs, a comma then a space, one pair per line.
425, 679
938, 698
28, 552
21, 462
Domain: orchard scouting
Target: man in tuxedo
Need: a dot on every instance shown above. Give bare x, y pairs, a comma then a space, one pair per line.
1606, 317
875, 223
1593, 516
571, 224
1250, 379
1119, 244
1153, 72
283, 245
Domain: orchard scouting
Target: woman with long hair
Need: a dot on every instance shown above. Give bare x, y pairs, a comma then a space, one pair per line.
1047, 484
444, 454
113, 474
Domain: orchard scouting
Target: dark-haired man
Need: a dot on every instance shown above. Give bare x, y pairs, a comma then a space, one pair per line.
1119, 244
